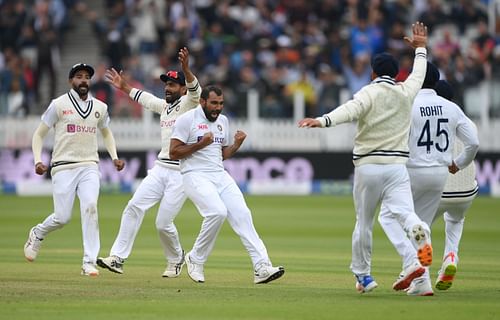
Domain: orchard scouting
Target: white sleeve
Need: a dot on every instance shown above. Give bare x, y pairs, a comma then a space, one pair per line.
349, 111
181, 128
147, 100
414, 82
226, 135
50, 117
104, 122
467, 133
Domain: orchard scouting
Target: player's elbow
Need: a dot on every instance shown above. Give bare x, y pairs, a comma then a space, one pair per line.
174, 154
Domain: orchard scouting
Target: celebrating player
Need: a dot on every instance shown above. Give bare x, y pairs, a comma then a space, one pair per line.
200, 139
75, 116
436, 123
163, 182
383, 110
459, 191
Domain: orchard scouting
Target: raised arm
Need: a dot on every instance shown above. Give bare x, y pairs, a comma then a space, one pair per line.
116, 79
229, 151
418, 41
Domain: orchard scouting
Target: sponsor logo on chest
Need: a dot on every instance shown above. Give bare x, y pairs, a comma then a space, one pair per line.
167, 123
76, 128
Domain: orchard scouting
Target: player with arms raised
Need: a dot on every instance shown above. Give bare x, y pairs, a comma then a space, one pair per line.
164, 182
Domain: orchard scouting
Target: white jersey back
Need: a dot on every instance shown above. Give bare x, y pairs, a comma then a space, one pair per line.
190, 128
436, 123
461, 186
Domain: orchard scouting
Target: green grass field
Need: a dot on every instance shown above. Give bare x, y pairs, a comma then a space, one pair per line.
310, 236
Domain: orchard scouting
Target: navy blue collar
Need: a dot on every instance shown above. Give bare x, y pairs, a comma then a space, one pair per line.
385, 79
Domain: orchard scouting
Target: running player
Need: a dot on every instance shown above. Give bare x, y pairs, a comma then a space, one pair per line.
459, 191
201, 140
383, 110
436, 123
163, 183
75, 117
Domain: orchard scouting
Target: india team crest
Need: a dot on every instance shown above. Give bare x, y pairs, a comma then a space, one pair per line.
219, 127
97, 114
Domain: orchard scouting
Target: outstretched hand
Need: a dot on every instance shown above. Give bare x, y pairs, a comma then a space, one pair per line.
309, 123
419, 35
115, 78
184, 58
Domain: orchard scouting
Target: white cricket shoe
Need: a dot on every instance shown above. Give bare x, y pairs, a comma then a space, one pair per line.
195, 270
420, 287
405, 278
112, 263
422, 237
447, 272
32, 246
265, 273
89, 269
174, 269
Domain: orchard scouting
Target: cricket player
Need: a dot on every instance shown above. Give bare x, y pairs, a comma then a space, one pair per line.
163, 183
200, 140
383, 110
76, 117
459, 191
435, 126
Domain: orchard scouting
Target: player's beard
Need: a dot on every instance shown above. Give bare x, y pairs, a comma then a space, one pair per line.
172, 97
211, 115
82, 90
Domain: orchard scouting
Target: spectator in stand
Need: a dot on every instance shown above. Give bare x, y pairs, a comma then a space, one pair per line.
434, 15
101, 89
47, 60
466, 13
359, 74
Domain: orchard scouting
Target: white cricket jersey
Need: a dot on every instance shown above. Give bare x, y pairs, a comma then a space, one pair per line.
75, 124
461, 186
436, 123
383, 110
190, 128
169, 112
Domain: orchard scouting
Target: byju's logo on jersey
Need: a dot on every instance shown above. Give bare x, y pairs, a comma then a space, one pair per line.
74, 128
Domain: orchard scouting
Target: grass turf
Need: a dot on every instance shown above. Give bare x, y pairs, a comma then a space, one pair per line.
310, 236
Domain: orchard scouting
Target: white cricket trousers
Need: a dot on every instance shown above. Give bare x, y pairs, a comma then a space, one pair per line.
83, 182
389, 185
217, 196
454, 217
161, 184
427, 184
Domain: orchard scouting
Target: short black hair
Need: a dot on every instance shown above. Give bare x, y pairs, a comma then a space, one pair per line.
431, 76
444, 89
211, 88
384, 64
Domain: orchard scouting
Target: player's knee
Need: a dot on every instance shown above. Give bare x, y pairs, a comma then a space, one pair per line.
132, 210
166, 225
219, 214
62, 220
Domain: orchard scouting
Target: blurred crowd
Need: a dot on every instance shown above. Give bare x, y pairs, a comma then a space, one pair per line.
277, 47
